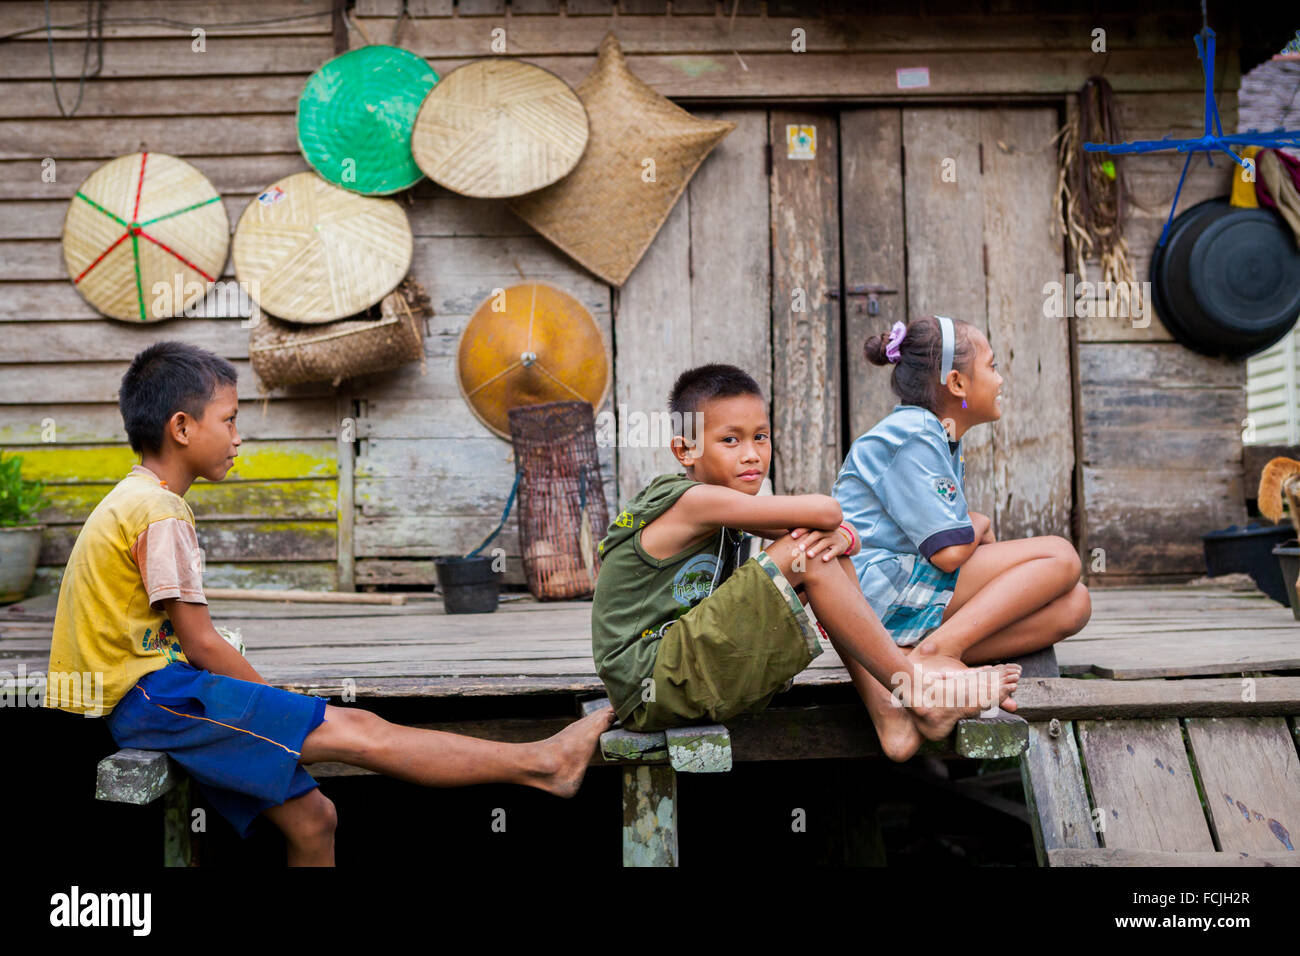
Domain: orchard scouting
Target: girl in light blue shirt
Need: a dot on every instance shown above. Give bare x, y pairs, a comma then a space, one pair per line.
929, 567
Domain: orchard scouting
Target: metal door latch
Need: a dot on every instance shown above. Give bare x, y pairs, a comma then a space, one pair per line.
871, 291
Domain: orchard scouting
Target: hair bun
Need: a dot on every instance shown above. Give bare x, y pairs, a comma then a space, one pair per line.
874, 350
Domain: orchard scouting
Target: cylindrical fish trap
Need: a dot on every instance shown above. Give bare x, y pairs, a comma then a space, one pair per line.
562, 511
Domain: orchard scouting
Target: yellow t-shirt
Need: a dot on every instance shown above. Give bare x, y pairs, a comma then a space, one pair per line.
137, 548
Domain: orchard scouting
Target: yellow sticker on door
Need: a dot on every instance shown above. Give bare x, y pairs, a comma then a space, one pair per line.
800, 142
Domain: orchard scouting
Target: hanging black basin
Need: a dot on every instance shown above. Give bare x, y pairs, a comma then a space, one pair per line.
1227, 281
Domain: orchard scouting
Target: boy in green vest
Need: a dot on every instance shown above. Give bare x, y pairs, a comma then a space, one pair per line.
682, 632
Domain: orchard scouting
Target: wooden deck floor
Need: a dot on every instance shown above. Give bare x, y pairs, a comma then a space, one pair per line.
537, 648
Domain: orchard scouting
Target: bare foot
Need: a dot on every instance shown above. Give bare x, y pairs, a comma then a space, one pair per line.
895, 726
566, 755
943, 691
943, 664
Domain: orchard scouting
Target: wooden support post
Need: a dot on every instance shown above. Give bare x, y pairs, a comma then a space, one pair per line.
649, 815
346, 425
178, 847
141, 777
1059, 813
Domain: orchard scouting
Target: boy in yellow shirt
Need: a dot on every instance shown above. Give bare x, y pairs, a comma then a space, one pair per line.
133, 639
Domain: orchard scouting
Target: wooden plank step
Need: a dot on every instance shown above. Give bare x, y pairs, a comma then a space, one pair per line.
1067, 698
1059, 814
1111, 856
1251, 778
1142, 785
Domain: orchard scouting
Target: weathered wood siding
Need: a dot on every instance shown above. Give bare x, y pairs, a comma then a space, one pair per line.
1161, 443
1156, 427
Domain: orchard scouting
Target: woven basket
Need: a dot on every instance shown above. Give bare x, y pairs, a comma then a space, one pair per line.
286, 355
355, 117
604, 214
145, 237
562, 510
310, 252
495, 128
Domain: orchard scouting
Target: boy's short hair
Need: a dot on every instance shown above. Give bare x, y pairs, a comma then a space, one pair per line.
166, 378
698, 385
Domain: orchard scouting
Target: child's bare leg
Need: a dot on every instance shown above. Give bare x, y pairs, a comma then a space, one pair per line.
1000, 584
1058, 620
856, 632
437, 759
899, 736
308, 823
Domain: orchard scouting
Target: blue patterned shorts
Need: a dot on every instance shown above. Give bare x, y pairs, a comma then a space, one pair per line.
919, 607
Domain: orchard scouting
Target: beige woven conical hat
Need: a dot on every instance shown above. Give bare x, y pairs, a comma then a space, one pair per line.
145, 236
495, 128
308, 251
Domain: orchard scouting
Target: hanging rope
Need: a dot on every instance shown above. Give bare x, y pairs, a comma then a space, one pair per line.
95, 17
1092, 190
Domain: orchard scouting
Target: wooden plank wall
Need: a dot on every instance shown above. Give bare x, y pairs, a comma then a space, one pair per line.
428, 480
273, 522
1161, 435
701, 293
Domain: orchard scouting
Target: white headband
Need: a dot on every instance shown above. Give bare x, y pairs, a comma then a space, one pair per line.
945, 326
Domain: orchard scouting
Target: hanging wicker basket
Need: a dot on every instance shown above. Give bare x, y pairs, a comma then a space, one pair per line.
562, 510
284, 354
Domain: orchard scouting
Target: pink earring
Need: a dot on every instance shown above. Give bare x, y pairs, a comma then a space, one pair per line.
963, 403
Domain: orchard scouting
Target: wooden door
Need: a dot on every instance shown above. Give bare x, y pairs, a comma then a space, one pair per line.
806, 317
756, 263
953, 208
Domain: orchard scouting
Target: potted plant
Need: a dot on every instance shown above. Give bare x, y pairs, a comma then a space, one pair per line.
20, 535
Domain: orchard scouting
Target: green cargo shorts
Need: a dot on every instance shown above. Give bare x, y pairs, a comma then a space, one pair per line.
730, 653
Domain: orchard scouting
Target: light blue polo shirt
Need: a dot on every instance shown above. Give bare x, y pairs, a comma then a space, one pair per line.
900, 487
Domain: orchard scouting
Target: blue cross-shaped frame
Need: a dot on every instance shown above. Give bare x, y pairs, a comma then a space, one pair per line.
1208, 142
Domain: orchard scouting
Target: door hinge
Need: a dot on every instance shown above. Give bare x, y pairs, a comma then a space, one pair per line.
768, 157
981, 145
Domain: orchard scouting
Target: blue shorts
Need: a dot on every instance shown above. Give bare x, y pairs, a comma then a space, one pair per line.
239, 740
919, 608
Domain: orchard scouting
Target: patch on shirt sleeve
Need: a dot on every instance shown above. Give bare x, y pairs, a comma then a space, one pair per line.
945, 488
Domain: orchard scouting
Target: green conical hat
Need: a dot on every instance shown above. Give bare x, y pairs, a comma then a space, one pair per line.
355, 117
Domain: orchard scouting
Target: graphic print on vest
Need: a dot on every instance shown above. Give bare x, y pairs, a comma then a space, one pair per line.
692, 581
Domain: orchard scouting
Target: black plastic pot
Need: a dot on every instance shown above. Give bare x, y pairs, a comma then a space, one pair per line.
1288, 562
1227, 281
468, 585
1249, 550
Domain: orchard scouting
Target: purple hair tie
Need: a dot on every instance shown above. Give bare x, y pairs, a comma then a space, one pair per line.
896, 335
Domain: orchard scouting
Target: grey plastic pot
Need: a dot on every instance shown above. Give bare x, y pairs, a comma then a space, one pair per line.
18, 550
